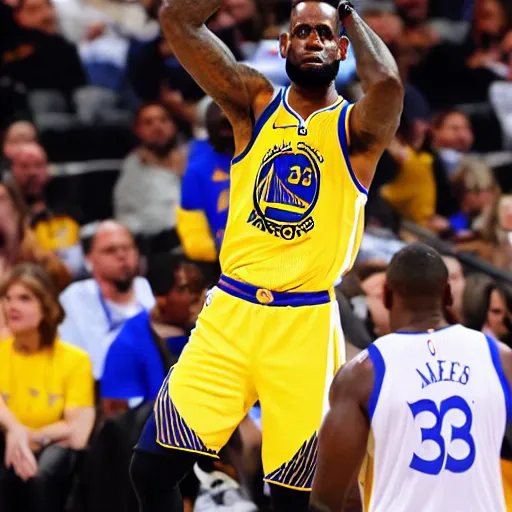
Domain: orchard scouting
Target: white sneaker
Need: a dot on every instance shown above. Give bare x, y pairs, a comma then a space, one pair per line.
219, 492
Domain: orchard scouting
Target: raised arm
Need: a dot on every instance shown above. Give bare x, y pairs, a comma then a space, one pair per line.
375, 118
234, 87
343, 437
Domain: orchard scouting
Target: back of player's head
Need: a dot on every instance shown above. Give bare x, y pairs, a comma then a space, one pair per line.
418, 274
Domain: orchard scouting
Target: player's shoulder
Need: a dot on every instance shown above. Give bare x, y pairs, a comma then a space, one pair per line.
354, 378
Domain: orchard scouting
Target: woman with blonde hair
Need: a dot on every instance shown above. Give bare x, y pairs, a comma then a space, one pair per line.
47, 393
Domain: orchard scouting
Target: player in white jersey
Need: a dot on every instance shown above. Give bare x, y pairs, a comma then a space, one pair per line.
422, 413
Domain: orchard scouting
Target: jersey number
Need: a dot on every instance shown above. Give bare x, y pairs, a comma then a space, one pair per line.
297, 174
462, 433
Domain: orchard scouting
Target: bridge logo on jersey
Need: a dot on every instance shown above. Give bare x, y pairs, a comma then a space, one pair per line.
286, 191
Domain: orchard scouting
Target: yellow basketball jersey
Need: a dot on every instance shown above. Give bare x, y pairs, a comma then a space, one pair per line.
296, 213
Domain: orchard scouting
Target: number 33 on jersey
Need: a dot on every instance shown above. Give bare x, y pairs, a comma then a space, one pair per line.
438, 411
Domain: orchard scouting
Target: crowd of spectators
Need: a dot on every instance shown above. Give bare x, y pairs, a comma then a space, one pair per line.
114, 195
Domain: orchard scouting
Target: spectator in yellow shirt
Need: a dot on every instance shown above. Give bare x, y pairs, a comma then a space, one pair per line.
47, 387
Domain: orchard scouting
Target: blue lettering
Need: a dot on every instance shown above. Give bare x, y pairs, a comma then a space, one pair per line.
452, 371
441, 369
465, 375
425, 382
444, 373
432, 374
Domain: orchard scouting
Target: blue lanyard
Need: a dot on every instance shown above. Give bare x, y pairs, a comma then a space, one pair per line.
112, 326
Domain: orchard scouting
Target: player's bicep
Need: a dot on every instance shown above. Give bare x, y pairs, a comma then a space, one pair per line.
210, 62
341, 449
375, 119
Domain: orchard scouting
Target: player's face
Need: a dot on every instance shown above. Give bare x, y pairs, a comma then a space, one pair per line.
114, 257
313, 48
22, 309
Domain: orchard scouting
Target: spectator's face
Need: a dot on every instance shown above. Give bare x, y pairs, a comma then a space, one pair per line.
22, 309
155, 129
507, 53
220, 132
388, 27
490, 17
8, 216
240, 10
505, 212
30, 170
456, 280
454, 133
16, 135
496, 315
114, 257
176, 307
37, 15
413, 11
312, 48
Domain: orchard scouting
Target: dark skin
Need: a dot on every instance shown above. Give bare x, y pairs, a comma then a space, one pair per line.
346, 428
240, 90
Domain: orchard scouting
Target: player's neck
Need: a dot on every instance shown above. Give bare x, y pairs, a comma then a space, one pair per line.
420, 321
111, 293
305, 101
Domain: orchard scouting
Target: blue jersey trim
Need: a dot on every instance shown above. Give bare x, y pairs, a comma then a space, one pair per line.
265, 116
496, 361
266, 297
342, 136
379, 369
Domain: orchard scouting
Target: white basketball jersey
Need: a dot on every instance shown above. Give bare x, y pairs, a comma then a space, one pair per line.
438, 414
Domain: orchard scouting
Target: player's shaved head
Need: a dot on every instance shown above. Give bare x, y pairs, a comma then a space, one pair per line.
418, 274
328, 7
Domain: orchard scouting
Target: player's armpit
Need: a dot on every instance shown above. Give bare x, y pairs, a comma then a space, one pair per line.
343, 437
233, 86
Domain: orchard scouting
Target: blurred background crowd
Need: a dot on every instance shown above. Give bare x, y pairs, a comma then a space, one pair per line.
114, 194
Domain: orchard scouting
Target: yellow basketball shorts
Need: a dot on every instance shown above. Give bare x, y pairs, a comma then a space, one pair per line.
250, 344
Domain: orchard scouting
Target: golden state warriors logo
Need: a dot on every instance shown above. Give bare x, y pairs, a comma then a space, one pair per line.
286, 191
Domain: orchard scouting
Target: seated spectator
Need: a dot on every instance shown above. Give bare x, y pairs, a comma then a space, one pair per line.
412, 193
460, 74
18, 244
147, 194
452, 138
203, 213
497, 229
47, 385
457, 282
476, 190
485, 305
14, 136
55, 225
35, 56
151, 342
97, 308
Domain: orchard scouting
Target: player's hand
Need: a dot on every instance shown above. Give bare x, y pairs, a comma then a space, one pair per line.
345, 8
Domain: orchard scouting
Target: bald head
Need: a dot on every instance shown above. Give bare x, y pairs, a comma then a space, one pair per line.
113, 255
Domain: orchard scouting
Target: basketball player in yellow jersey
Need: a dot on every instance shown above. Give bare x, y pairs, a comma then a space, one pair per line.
270, 330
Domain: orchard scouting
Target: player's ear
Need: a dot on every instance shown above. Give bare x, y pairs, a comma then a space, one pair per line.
388, 297
343, 48
284, 41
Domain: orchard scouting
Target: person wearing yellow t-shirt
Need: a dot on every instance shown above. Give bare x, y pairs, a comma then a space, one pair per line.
47, 392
